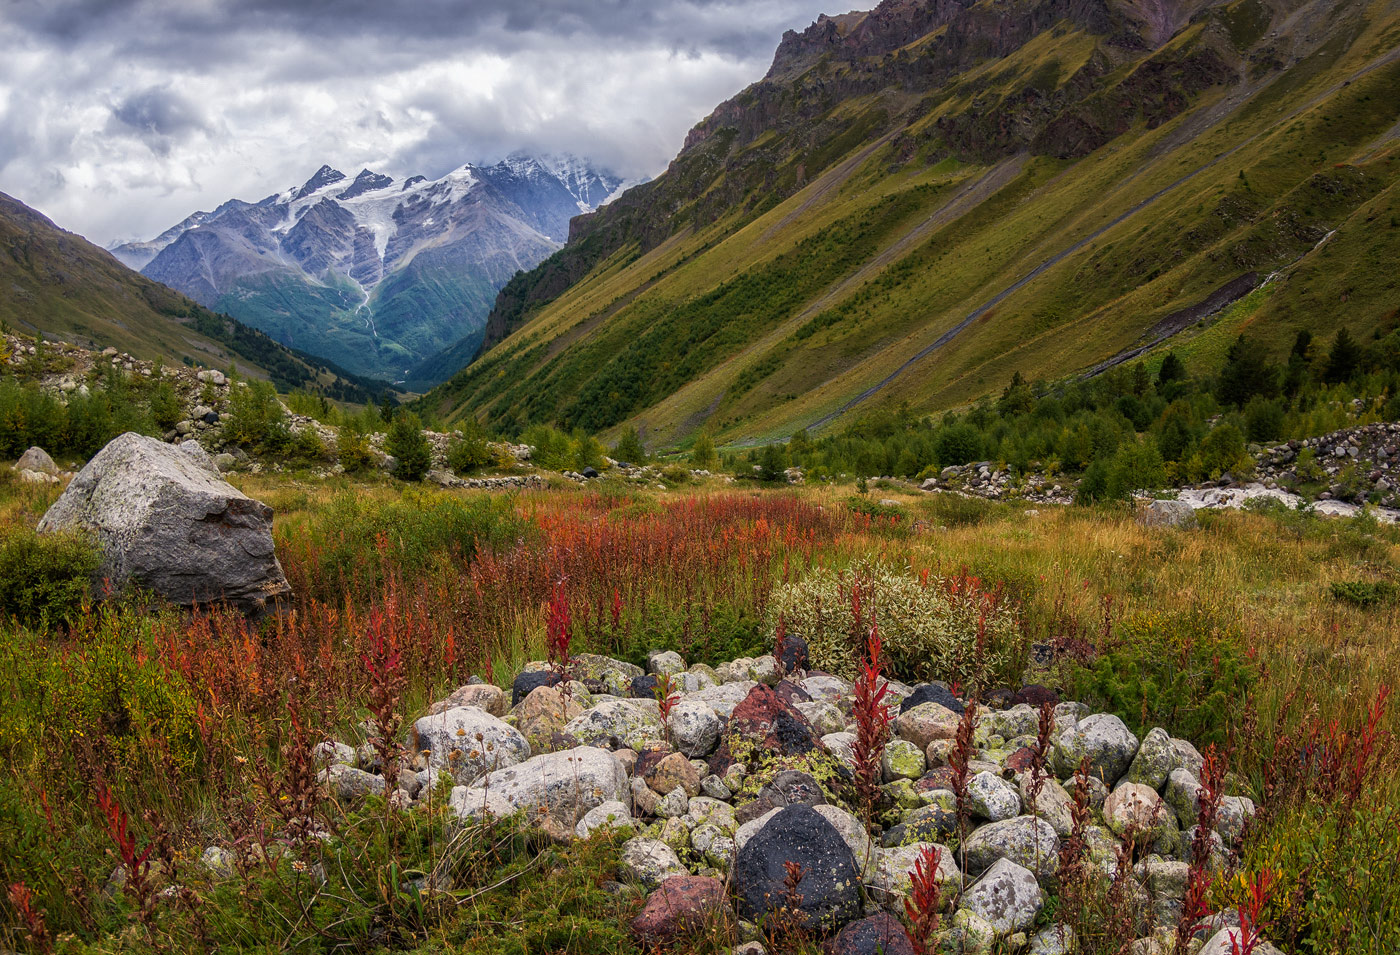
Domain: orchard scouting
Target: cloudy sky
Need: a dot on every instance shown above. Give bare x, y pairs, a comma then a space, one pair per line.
120, 117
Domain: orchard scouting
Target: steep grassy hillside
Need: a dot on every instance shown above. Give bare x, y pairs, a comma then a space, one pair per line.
920, 201
60, 285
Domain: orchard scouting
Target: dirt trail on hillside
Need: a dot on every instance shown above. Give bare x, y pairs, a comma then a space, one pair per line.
1054, 260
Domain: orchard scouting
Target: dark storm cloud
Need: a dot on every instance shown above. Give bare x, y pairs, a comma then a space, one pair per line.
119, 117
735, 28
158, 116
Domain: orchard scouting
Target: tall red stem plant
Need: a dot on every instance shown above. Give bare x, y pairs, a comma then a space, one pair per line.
921, 907
873, 717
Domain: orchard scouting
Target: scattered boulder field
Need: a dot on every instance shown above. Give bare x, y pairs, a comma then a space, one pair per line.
749, 774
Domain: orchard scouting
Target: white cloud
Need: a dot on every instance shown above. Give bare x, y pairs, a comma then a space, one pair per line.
121, 118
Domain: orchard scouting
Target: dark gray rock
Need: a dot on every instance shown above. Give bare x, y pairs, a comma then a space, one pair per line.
829, 890
932, 693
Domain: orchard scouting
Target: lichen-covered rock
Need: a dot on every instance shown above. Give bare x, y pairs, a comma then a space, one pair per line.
348, 784
768, 723
468, 743
930, 823
842, 747
1007, 895
1182, 794
695, 727
1021, 720
724, 697
535, 675
1137, 808
1025, 840
902, 760
616, 675
682, 906
609, 815
564, 785
932, 693
673, 804
825, 688
1101, 738
482, 696
1155, 759
169, 525
544, 712
890, 882
37, 459
1166, 879
1188, 757
1052, 803
992, 797
1234, 813
1053, 940
665, 662
853, 833
631, 723
1167, 514
826, 718
650, 862
671, 772
969, 934
830, 886
925, 723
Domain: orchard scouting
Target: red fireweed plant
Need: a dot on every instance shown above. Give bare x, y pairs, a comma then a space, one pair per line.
921, 907
1198, 877
873, 717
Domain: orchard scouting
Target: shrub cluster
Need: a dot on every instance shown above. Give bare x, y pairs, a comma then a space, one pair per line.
929, 627
45, 579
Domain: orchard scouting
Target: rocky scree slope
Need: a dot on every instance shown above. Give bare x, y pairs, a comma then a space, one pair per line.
750, 770
379, 275
918, 201
57, 284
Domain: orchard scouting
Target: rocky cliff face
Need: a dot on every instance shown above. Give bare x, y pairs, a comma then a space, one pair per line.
378, 275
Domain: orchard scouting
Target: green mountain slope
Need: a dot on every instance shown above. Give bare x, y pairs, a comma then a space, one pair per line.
58, 284
920, 201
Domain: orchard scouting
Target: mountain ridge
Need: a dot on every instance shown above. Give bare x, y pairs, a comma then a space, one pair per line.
1081, 169
59, 285
377, 274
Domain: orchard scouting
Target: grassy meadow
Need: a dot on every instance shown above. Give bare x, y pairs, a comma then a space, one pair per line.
134, 737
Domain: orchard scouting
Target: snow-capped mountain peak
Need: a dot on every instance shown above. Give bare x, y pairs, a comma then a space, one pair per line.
325, 248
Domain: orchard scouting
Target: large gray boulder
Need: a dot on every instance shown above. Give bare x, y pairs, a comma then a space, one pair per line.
171, 526
37, 459
564, 785
468, 743
1167, 514
1007, 895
